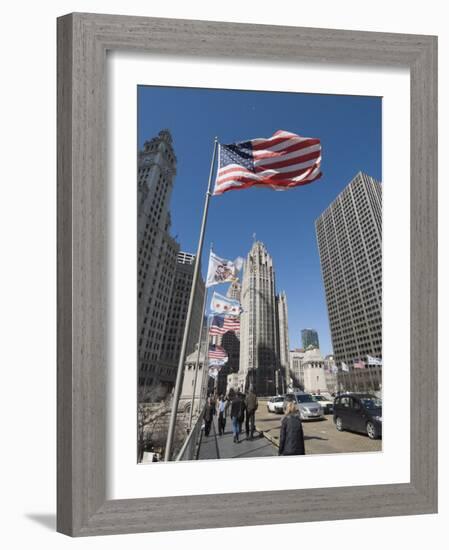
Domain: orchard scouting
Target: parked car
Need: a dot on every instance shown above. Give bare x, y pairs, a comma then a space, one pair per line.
275, 404
309, 409
325, 402
359, 412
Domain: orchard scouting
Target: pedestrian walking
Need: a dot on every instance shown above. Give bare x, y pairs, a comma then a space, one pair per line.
223, 409
213, 402
291, 441
236, 413
208, 416
251, 408
243, 411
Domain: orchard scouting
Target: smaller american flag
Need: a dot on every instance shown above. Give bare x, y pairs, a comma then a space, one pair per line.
359, 365
221, 324
217, 355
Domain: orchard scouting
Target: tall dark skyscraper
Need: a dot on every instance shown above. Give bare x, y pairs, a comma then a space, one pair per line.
177, 312
349, 234
164, 273
309, 337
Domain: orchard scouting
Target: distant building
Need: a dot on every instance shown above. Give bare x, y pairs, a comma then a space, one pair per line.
313, 371
309, 337
283, 338
188, 384
349, 234
234, 290
296, 368
177, 312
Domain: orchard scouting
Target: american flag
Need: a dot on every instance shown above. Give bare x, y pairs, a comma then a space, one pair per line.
221, 324
217, 355
282, 161
359, 365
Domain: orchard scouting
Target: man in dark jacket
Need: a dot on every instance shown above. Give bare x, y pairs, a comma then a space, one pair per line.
251, 408
291, 441
236, 413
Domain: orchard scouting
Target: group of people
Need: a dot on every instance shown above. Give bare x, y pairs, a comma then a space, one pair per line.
242, 408
236, 405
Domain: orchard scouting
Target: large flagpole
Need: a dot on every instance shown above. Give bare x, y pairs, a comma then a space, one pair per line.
200, 341
182, 356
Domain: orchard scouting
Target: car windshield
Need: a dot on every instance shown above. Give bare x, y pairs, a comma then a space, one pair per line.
371, 402
278, 399
319, 398
304, 397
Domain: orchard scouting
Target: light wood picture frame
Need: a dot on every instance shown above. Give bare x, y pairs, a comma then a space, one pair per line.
83, 41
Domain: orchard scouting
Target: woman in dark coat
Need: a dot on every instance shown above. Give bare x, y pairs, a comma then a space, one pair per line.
208, 416
291, 440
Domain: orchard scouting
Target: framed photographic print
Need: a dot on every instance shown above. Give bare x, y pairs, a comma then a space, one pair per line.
237, 342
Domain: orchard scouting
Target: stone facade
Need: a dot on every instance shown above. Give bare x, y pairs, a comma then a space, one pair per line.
296, 368
313, 371
259, 346
284, 341
349, 234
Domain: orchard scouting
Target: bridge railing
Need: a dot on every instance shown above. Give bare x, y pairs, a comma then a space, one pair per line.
190, 447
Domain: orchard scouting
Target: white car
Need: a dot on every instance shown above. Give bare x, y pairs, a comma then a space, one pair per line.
275, 404
326, 403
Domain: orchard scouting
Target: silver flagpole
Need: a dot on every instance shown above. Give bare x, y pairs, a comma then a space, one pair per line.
198, 358
182, 356
206, 363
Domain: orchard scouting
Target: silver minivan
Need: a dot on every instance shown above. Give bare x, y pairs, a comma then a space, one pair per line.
308, 408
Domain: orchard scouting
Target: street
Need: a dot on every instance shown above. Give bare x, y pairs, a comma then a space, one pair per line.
320, 436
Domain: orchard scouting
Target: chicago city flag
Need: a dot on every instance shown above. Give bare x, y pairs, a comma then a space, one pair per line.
222, 271
374, 360
281, 161
220, 304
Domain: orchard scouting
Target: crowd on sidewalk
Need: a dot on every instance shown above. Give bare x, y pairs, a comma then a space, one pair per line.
241, 408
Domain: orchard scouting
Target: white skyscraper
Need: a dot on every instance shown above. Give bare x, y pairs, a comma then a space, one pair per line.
349, 234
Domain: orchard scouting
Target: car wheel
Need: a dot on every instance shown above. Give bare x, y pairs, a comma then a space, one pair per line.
339, 424
371, 430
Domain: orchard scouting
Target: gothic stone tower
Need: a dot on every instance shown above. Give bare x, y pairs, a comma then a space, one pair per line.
259, 359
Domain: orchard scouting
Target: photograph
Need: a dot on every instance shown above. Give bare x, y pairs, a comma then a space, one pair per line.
259, 276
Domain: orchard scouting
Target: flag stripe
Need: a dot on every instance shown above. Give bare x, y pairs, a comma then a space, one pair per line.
265, 175
246, 182
266, 157
292, 163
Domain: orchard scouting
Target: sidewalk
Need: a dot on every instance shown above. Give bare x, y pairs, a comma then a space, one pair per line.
215, 446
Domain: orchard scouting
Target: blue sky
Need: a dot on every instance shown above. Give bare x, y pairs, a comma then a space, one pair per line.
349, 128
